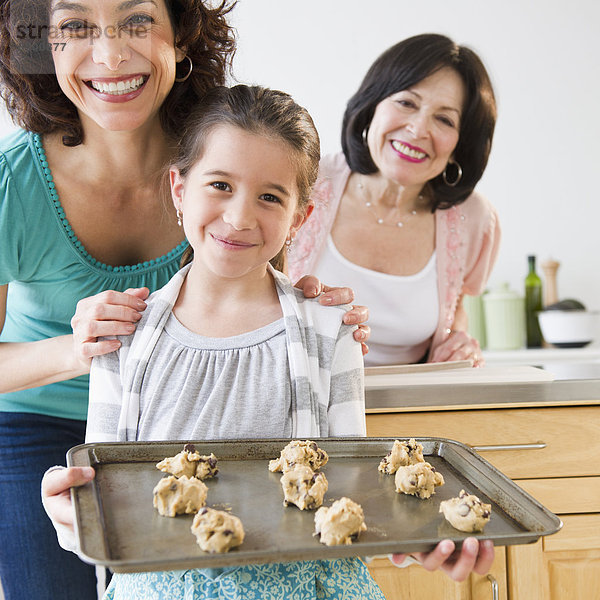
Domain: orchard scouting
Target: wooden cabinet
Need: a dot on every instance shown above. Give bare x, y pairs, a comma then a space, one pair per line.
552, 453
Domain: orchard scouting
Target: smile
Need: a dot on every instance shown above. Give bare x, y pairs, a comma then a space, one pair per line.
229, 243
408, 150
118, 88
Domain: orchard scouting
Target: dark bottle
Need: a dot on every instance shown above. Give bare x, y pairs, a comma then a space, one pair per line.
533, 305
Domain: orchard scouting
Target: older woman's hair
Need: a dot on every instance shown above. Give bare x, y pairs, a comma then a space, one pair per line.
404, 65
30, 89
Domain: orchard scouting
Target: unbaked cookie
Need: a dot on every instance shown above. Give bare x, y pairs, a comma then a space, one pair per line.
340, 523
303, 487
467, 512
178, 496
402, 454
217, 530
299, 453
189, 463
418, 480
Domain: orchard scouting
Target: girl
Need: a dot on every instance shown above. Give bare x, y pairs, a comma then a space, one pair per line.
264, 361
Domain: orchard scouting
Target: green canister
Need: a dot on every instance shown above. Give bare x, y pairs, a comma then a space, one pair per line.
504, 312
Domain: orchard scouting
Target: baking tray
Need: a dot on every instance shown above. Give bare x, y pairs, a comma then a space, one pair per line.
118, 526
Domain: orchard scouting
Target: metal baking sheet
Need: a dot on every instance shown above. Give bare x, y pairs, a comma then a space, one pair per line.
118, 526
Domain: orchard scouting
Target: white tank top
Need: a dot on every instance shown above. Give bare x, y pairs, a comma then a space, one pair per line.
403, 310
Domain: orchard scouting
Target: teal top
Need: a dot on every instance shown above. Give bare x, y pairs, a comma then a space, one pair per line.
48, 270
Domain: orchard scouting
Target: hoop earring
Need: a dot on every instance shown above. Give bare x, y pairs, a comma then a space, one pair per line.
458, 175
179, 218
365, 133
180, 79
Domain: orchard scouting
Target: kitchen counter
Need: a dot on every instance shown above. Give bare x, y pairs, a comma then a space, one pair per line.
409, 398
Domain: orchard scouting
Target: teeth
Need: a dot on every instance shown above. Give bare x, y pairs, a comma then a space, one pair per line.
119, 88
407, 150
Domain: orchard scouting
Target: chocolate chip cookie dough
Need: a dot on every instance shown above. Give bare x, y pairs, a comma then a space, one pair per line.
303, 487
467, 512
178, 496
402, 454
217, 530
340, 523
299, 453
189, 463
418, 480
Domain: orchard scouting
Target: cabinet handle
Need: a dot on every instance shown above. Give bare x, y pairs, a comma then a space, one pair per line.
536, 446
492, 580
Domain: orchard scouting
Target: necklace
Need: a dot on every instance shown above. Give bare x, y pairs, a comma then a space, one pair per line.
384, 221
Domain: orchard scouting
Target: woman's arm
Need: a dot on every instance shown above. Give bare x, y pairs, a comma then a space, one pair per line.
25, 365
459, 345
31, 364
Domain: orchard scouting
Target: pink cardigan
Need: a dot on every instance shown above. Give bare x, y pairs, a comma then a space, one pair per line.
467, 240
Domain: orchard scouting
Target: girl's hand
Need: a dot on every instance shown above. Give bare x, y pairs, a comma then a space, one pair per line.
334, 296
56, 493
473, 556
459, 346
109, 313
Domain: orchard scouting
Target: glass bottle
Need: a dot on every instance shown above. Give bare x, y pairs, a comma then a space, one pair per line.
533, 305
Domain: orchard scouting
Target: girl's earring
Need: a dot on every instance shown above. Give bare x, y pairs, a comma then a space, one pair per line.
288, 242
179, 218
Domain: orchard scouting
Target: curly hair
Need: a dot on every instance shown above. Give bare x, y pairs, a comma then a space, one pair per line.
404, 65
30, 89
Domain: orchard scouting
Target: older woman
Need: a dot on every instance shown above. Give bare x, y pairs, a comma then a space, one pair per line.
102, 91
416, 138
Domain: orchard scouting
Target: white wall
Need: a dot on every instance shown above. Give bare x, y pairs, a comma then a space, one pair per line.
544, 60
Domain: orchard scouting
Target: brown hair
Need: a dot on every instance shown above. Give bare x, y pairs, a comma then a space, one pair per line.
29, 86
261, 111
404, 65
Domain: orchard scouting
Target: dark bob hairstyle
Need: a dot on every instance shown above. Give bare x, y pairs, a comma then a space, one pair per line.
30, 89
404, 65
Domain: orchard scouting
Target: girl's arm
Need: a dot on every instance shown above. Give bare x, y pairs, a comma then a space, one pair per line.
25, 365
346, 413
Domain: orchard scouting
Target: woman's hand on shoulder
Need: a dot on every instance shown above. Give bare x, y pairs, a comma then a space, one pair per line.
108, 313
459, 346
56, 492
334, 296
474, 556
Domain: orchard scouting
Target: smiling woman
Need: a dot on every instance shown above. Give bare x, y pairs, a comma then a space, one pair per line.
102, 91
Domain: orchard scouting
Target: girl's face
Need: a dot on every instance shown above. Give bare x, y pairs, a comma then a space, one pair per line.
114, 59
413, 132
239, 201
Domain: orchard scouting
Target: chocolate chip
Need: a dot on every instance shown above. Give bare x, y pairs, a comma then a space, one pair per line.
227, 532
212, 462
204, 511
486, 514
173, 487
190, 448
314, 446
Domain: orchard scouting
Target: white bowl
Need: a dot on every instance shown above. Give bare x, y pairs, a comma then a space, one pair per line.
569, 328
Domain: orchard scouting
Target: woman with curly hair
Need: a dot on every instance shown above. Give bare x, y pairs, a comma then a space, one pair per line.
102, 92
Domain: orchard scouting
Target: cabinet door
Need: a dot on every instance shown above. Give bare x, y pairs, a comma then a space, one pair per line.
564, 566
415, 583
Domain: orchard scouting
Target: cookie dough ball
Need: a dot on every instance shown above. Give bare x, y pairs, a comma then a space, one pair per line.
189, 463
467, 512
299, 453
340, 523
418, 480
303, 487
178, 496
402, 454
217, 530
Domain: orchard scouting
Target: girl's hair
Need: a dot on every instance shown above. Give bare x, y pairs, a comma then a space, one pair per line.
30, 89
261, 111
404, 65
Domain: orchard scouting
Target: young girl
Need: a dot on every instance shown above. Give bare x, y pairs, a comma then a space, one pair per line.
228, 349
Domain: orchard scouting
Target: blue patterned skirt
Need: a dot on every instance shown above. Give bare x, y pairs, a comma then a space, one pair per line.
343, 579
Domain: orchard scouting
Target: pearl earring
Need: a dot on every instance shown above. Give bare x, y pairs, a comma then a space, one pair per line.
179, 218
